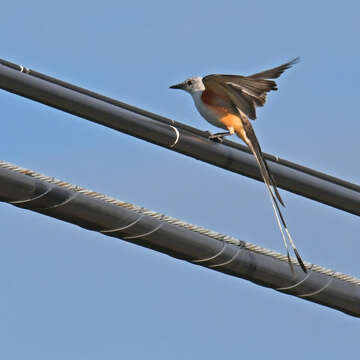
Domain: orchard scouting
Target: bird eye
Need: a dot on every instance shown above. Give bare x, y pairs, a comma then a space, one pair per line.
189, 83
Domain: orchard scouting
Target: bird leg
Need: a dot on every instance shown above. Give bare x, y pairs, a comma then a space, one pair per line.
219, 137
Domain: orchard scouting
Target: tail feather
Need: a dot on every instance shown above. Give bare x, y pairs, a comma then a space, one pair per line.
278, 214
254, 146
265, 172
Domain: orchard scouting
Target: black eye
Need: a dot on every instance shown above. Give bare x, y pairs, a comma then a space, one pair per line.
189, 82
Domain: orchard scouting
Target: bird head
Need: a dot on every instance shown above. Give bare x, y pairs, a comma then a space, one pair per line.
190, 85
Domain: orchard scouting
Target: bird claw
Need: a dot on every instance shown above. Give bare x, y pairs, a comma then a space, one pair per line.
217, 138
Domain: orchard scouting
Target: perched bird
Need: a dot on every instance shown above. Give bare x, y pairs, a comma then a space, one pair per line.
228, 102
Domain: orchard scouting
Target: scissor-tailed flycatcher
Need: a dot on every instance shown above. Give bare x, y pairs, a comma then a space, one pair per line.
227, 102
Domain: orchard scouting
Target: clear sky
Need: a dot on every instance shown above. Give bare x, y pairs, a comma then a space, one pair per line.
69, 293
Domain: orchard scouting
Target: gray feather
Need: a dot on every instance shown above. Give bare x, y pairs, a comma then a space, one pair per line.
248, 92
275, 72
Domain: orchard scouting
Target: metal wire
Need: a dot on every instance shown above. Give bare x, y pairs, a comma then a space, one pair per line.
210, 233
188, 140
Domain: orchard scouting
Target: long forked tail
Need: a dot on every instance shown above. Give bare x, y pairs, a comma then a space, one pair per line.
254, 146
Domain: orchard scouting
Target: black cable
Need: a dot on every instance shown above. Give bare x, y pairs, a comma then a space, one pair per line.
176, 136
93, 211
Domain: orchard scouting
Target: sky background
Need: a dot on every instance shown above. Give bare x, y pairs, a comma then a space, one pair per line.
66, 292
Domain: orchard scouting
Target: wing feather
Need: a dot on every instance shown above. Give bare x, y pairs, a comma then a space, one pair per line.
275, 72
247, 92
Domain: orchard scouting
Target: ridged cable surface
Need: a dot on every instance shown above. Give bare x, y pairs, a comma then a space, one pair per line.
173, 221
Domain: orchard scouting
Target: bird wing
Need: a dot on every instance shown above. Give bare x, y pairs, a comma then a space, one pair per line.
231, 93
247, 92
275, 72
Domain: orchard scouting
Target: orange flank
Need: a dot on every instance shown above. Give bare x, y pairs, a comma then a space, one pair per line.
223, 109
233, 123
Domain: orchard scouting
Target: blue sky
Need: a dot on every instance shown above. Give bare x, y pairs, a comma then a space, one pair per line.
70, 293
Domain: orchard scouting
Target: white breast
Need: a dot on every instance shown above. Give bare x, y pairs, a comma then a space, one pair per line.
206, 111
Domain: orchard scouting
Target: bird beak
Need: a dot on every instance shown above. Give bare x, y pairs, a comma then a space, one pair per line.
180, 86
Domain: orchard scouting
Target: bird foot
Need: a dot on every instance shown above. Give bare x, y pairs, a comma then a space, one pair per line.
217, 138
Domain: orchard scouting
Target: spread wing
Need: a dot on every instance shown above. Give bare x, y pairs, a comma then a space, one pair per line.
275, 72
248, 92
